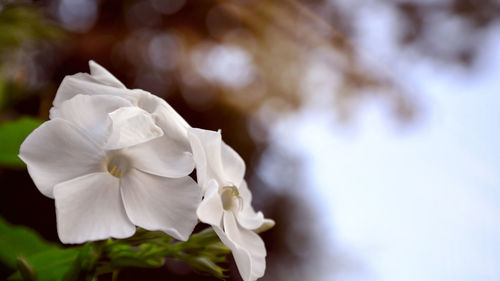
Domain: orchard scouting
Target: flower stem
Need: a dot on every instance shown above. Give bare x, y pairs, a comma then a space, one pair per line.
114, 277
149, 249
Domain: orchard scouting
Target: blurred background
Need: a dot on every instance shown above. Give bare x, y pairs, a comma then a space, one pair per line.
369, 128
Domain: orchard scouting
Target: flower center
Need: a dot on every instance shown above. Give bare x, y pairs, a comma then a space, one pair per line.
118, 165
230, 197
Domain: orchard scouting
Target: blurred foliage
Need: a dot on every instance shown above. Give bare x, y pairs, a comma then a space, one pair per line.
50, 265
35, 259
248, 54
24, 32
24, 24
12, 135
16, 241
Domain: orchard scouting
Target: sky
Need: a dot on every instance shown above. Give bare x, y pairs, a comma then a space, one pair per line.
411, 204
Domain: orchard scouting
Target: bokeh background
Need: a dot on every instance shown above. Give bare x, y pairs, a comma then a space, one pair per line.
369, 128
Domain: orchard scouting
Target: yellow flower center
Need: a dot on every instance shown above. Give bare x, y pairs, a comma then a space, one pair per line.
117, 165
115, 171
230, 197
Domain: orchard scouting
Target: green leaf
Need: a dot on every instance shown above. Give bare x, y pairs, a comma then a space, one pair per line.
84, 266
26, 270
16, 241
50, 265
12, 135
144, 255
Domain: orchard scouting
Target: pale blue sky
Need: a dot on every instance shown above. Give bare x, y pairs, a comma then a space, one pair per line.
422, 203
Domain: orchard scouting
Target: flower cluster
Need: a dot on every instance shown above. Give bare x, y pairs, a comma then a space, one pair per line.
115, 159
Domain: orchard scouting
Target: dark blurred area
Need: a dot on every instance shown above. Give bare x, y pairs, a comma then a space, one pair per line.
238, 66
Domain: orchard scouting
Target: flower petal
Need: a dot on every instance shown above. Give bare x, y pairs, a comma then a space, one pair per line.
102, 75
247, 217
56, 152
163, 156
250, 220
206, 147
241, 257
85, 84
158, 203
170, 155
215, 159
248, 249
199, 140
89, 113
233, 164
90, 208
266, 225
160, 108
131, 126
210, 210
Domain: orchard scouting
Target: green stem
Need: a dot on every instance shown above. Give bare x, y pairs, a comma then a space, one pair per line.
114, 277
149, 249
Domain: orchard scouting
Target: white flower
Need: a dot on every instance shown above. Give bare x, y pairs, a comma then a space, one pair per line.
101, 82
227, 202
113, 158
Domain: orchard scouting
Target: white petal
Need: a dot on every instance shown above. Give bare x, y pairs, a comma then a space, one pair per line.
200, 158
160, 108
85, 84
241, 257
206, 147
90, 208
131, 126
247, 246
89, 113
210, 210
105, 77
56, 152
163, 157
247, 217
170, 155
250, 220
158, 203
266, 225
214, 159
233, 165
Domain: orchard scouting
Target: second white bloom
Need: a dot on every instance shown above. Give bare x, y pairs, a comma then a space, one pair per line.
227, 202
